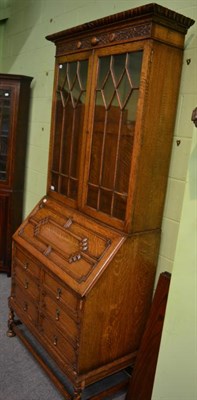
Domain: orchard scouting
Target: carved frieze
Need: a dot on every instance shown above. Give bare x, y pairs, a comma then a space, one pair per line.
105, 38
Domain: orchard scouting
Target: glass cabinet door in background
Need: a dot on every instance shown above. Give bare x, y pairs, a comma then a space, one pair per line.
5, 104
14, 109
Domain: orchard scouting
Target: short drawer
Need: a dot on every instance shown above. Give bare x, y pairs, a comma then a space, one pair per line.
26, 281
25, 303
60, 317
27, 263
58, 342
61, 293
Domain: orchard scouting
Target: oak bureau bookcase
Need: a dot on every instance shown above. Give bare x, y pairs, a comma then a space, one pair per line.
84, 260
14, 108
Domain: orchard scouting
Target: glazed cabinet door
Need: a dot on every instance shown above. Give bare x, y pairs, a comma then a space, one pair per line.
115, 97
6, 95
14, 107
69, 116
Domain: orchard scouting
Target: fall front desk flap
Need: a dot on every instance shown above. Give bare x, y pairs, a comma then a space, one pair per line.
68, 243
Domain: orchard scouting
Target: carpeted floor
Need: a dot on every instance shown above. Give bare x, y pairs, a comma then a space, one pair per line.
21, 377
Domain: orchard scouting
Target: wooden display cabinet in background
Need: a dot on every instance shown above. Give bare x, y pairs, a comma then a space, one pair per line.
84, 260
14, 108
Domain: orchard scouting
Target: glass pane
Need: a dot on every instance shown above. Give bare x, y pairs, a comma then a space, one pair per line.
54, 182
63, 184
57, 137
93, 196
108, 91
104, 71
105, 201
124, 152
134, 63
69, 119
119, 206
117, 95
71, 74
73, 189
118, 67
96, 151
111, 143
5, 103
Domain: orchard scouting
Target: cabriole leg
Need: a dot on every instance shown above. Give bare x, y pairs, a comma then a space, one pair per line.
10, 332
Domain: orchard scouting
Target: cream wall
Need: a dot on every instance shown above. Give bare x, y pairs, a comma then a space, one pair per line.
4, 14
1, 41
176, 375
26, 51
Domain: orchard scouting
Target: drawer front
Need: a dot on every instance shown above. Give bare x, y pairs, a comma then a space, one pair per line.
25, 303
26, 281
61, 294
59, 344
60, 317
27, 263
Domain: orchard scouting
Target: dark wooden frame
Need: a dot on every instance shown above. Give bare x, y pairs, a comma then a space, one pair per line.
11, 189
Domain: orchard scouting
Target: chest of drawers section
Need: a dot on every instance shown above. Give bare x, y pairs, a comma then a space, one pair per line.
60, 322
49, 309
25, 296
58, 257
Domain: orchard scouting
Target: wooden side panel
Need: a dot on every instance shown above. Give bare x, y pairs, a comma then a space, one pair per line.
117, 307
149, 172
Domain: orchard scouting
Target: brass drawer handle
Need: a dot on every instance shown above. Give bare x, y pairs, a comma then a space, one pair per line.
25, 307
55, 340
26, 265
57, 315
26, 284
59, 292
